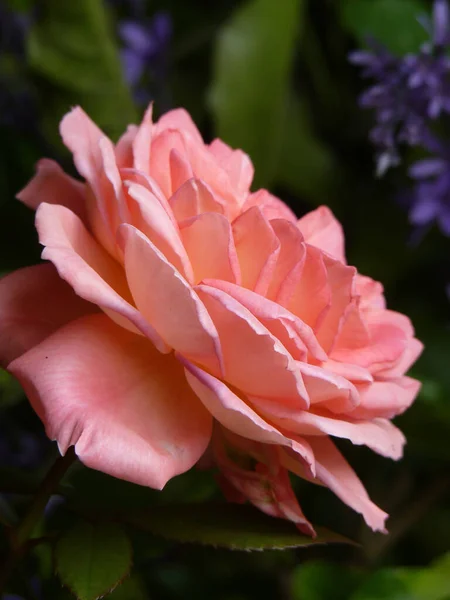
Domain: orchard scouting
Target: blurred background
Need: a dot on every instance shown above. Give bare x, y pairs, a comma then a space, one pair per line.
343, 103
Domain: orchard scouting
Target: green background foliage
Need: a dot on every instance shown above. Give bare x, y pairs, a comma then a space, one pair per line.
272, 77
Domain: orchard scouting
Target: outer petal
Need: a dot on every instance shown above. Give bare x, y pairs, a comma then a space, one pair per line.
271, 206
91, 272
386, 399
237, 416
266, 485
335, 472
254, 360
236, 163
95, 159
181, 120
125, 407
171, 305
53, 186
321, 229
378, 434
34, 302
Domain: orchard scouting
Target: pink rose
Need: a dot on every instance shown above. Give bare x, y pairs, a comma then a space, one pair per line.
180, 313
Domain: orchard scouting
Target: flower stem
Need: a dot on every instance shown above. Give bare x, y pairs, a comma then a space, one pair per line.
21, 534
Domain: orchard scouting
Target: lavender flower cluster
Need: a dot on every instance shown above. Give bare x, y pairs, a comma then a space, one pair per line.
409, 95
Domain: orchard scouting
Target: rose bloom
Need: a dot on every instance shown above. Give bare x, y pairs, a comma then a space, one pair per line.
181, 316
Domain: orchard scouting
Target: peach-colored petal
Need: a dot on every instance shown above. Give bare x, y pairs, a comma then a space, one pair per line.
389, 334
335, 472
340, 282
329, 390
237, 416
142, 143
266, 485
82, 136
371, 293
178, 119
53, 186
124, 148
209, 243
134, 176
254, 360
126, 408
310, 298
297, 337
94, 163
270, 206
236, 163
162, 147
290, 260
150, 217
412, 352
322, 230
180, 169
386, 399
194, 198
34, 302
378, 434
257, 247
90, 271
168, 302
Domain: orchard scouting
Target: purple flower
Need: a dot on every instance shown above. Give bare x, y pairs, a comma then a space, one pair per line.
146, 48
430, 199
408, 92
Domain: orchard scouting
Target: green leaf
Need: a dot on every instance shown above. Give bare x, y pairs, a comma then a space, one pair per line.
392, 22
10, 390
234, 526
253, 60
72, 48
319, 580
93, 558
130, 589
306, 166
430, 583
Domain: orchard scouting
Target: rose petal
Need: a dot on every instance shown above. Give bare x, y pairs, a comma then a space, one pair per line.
237, 416
171, 306
82, 137
149, 216
208, 240
386, 399
34, 302
53, 186
254, 359
335, 472
88, 269
236, 163
311, 296
193, 198
290, 260
266, 485
322, 230
378, 434
126, 408
270, 206
178, 119
257, 247
142, 143
297, 337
